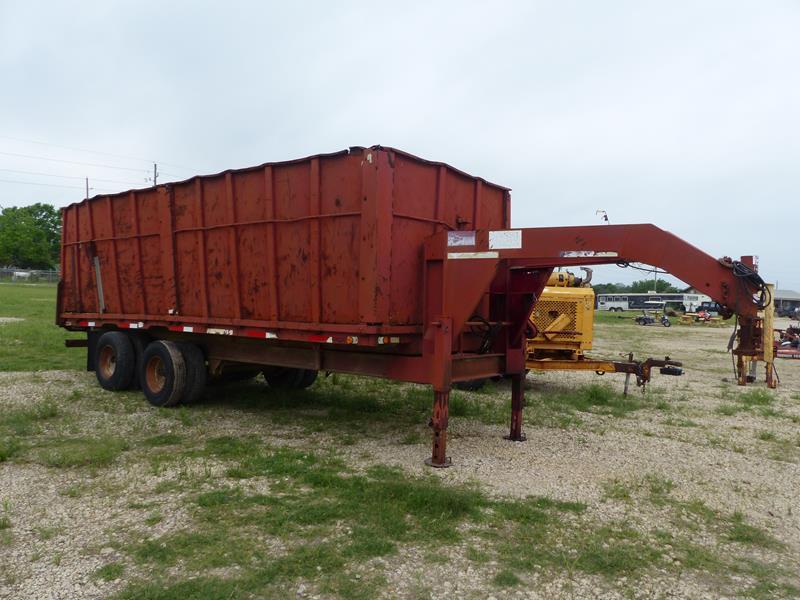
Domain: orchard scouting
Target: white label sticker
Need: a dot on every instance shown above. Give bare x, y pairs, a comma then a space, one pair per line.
587, 253
460, 238
465, 255
505, 239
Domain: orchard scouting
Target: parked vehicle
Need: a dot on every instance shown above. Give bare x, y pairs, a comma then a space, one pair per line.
629, 301
712, 308
656, 315
368, 261
645, 319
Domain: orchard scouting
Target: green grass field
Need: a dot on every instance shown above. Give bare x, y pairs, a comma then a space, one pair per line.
35, 343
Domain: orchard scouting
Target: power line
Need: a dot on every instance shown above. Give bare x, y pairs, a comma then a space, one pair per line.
70, 177
74, 162
6, 137
71, 187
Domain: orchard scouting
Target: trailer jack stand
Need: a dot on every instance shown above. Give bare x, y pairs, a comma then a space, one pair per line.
517, 401
438, 422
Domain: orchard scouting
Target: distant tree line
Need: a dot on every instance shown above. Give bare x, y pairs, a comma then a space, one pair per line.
30, 236
637, 287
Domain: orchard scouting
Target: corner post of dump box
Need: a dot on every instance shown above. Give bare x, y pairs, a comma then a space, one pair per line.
375, 255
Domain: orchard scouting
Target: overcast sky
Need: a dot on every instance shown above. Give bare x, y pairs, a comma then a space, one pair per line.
682, 114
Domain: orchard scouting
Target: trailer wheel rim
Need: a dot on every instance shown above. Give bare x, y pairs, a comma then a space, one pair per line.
155, 375
107, 361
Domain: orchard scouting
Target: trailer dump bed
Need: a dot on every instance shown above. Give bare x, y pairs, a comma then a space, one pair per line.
326, 244
369, 261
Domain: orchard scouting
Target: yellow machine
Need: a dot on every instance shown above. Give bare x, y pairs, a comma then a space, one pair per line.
562, 320
561, 331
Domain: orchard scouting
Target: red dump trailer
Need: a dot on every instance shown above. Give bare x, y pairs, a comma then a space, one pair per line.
369, 261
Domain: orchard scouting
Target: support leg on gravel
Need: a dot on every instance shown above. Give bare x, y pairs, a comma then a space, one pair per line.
441, 402
517, 400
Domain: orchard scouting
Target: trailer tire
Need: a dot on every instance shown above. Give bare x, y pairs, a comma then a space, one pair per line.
115, 361
196, 372
287, 378
163, 373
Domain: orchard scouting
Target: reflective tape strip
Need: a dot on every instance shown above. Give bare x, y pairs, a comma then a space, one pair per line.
182, 328
255, 333
321, 339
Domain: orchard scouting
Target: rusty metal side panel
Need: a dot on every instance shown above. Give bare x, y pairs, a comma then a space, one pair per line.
340, 191
88, 290
147, 202
254, 280
293, 241
189, 253
331, 239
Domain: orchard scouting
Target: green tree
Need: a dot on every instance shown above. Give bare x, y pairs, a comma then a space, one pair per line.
30, 236
610, 288
646, 285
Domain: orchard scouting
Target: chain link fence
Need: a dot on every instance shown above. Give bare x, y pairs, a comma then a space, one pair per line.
8, 275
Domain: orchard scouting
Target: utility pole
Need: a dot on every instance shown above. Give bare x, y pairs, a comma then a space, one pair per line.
155, 174
87, 188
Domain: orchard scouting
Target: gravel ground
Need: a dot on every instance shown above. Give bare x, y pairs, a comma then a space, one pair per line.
65, 522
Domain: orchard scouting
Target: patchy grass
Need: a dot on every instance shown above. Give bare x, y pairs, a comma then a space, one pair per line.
81, 451
109, 572
562, 407
162, 439
314, 519
25, 421
755, 399
19, 423
738, 530
153, 519
35, 343
679, 422
506, 578
9, 447
616, 490
319, 521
